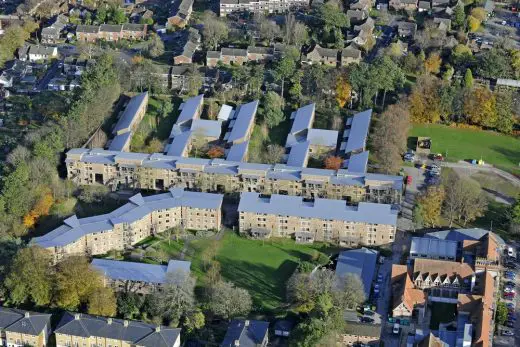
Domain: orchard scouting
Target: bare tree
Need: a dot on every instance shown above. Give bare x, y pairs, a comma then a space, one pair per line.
228, 301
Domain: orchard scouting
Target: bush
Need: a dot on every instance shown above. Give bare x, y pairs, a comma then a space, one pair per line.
305, 266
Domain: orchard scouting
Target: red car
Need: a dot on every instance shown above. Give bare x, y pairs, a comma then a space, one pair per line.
408, 180
438, 157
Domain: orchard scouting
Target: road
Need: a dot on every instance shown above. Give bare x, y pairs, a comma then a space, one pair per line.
51, 72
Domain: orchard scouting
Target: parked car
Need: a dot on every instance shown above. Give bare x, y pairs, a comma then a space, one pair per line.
379, 278
395, 330
368, 313
409, 157
508, 290
508, 333
510, 284
438, 157
366, 320
511, 305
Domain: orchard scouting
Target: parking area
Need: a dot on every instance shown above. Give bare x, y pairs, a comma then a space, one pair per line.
509, 333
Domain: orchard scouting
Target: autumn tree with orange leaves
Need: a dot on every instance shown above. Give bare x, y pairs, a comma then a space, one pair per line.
332, 162
40, 209
215, 152
343, 91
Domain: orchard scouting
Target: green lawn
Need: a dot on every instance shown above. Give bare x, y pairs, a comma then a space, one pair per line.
261, 267
460, 144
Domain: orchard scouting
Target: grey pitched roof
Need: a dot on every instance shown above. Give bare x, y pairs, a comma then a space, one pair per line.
358, 162
213, 54
25, 322
322, 137
351, 52
134, 332
112, 28
285, 205
238, 152
179, 143
235, 52
89, 29
133, 27
41, 50
189, 49
119, 142
326, 52
138, 207
189, 108
360, 262
299, 154
359, 131
129, 116
248, 333
259, 50
464, 234
130, 271
244, 117
302, 119
425, 5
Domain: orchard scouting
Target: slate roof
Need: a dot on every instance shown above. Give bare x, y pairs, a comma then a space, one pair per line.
138, 206
139, 272
213, 54
285, 205
460, 235
238, 152
359, 131
260, 50
351, 52
206, 128
245, 116
235, 52
189, 108
326, 52
112, 28
358, 162
24, 322
322, 137
133, 27
129, 116
41, 50
134, 332
360, 262
248, 333
428, 247
89, 29
225, 112
119, 142
302, 118
299, 154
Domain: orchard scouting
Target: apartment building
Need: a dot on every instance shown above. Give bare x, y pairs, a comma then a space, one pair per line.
132, 222
78, 329
318, 219
138, 278
24, 328
159, 172
260, 6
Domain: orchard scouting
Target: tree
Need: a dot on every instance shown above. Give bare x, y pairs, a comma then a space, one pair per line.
514, 216
129, 305
332, 163
273, 109
459, 17
430, 202
274, 154
195, 320
284, 69
296, 33
155, 47
505, 111
479, 13
515, 61
176, 299
269, 30
494, 63
352, 290
194, 81
75, 282
102, 302
390, 136
30, 276
433, 63
228, 301
332, 16
215, 152
501, 313
424, 100
214, 31
468, 79
86, 49
473, 23
101, 14
13, 38
480, 107
118, 16
154, 146
343, 91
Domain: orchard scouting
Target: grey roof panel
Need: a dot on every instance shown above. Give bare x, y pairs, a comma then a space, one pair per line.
430, 247
299, 154
238, 152
360, 262
359, 131
358, 162
179, 144
248, 333
206, 128
130, 271
303, 118
285, 205
321, 137
245, 116
119, 142
24, 322
129, 116
189, 108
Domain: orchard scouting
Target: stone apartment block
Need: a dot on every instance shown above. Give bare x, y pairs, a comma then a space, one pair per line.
131, 223
110, 32
159, 172
24, 328
76, 329
316, 220
260, 6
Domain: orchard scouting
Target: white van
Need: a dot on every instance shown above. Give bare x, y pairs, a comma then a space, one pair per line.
510, 251
395, 330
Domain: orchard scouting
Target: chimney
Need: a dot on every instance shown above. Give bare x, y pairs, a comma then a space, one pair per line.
157, 328
247, 323
125, 323
76, 316
237, 343
27, 314
109, 321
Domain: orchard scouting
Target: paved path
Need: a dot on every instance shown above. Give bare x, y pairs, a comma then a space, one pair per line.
487, 168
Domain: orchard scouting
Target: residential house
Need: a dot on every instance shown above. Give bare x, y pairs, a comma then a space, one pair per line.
24, 328
87, 33
180, 13
79, 329
233, 56
320, 55
321, 219
359, 333
363, 5
163, 74
260, 6
424, 6
357, 16
76, 66
134, 31
133, 222
51, 34
37, 52
140, 278
111, 32
212, 58
407, 5
350, 55
441, 4
406, 29
179, 76
260, 54
443, 24
246, 333
186, 56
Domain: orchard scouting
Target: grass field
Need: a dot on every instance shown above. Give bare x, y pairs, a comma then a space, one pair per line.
261, 267
461, 144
